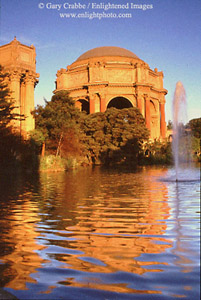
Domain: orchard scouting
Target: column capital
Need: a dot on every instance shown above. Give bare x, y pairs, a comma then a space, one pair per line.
15, 75
31, 78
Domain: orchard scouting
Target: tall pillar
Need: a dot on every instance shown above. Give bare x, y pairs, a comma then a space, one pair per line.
29, 102
147, 113
162, 120
92, 104
103, 103
139, 104
15, 89
22, 102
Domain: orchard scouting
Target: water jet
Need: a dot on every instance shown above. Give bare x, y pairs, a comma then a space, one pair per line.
184, 169
181, 143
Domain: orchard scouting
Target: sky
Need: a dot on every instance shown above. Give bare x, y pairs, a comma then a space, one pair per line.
166, 35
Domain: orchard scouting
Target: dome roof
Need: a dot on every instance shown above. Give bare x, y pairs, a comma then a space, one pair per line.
107, 51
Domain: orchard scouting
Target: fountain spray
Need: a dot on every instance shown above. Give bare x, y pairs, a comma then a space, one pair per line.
179, 117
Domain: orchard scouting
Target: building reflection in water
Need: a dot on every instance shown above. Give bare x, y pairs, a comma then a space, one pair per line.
23, 259
111, 219
97, 223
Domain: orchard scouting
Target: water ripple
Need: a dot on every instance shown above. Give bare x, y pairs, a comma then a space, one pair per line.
99, 234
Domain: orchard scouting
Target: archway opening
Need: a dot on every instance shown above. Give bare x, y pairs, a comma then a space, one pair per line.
83, 105
119, 103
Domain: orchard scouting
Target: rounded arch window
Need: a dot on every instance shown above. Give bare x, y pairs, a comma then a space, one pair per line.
119, 103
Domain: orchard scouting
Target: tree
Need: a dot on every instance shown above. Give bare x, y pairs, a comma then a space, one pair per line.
195, 126
57, 118
7, 106
15, 153
157, 152
115, 136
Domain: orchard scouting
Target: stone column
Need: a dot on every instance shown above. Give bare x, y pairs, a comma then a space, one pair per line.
139, 104
91, 104
29, 101
15, 89
22, 102
162, 120
103, 103
147, 112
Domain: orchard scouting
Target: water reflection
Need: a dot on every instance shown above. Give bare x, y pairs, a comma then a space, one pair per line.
19, 215
184, 244
96, 229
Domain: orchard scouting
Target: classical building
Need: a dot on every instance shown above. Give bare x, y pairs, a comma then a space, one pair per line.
107, 77
19, 61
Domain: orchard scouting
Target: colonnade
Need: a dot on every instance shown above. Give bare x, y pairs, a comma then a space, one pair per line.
22, 84
143, 103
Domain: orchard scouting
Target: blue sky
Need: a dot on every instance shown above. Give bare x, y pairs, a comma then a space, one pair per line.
167, 37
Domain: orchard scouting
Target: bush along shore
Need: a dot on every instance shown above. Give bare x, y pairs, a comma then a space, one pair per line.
51, 163
18, 155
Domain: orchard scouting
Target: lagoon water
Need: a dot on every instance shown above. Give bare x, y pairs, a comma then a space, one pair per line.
100, 234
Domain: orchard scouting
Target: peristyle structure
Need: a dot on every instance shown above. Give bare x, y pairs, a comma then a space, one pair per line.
19, 62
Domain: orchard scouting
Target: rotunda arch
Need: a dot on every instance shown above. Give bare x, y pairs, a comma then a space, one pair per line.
83, 105
119, 103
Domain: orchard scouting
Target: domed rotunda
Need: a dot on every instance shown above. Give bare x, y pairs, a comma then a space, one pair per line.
107, 77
